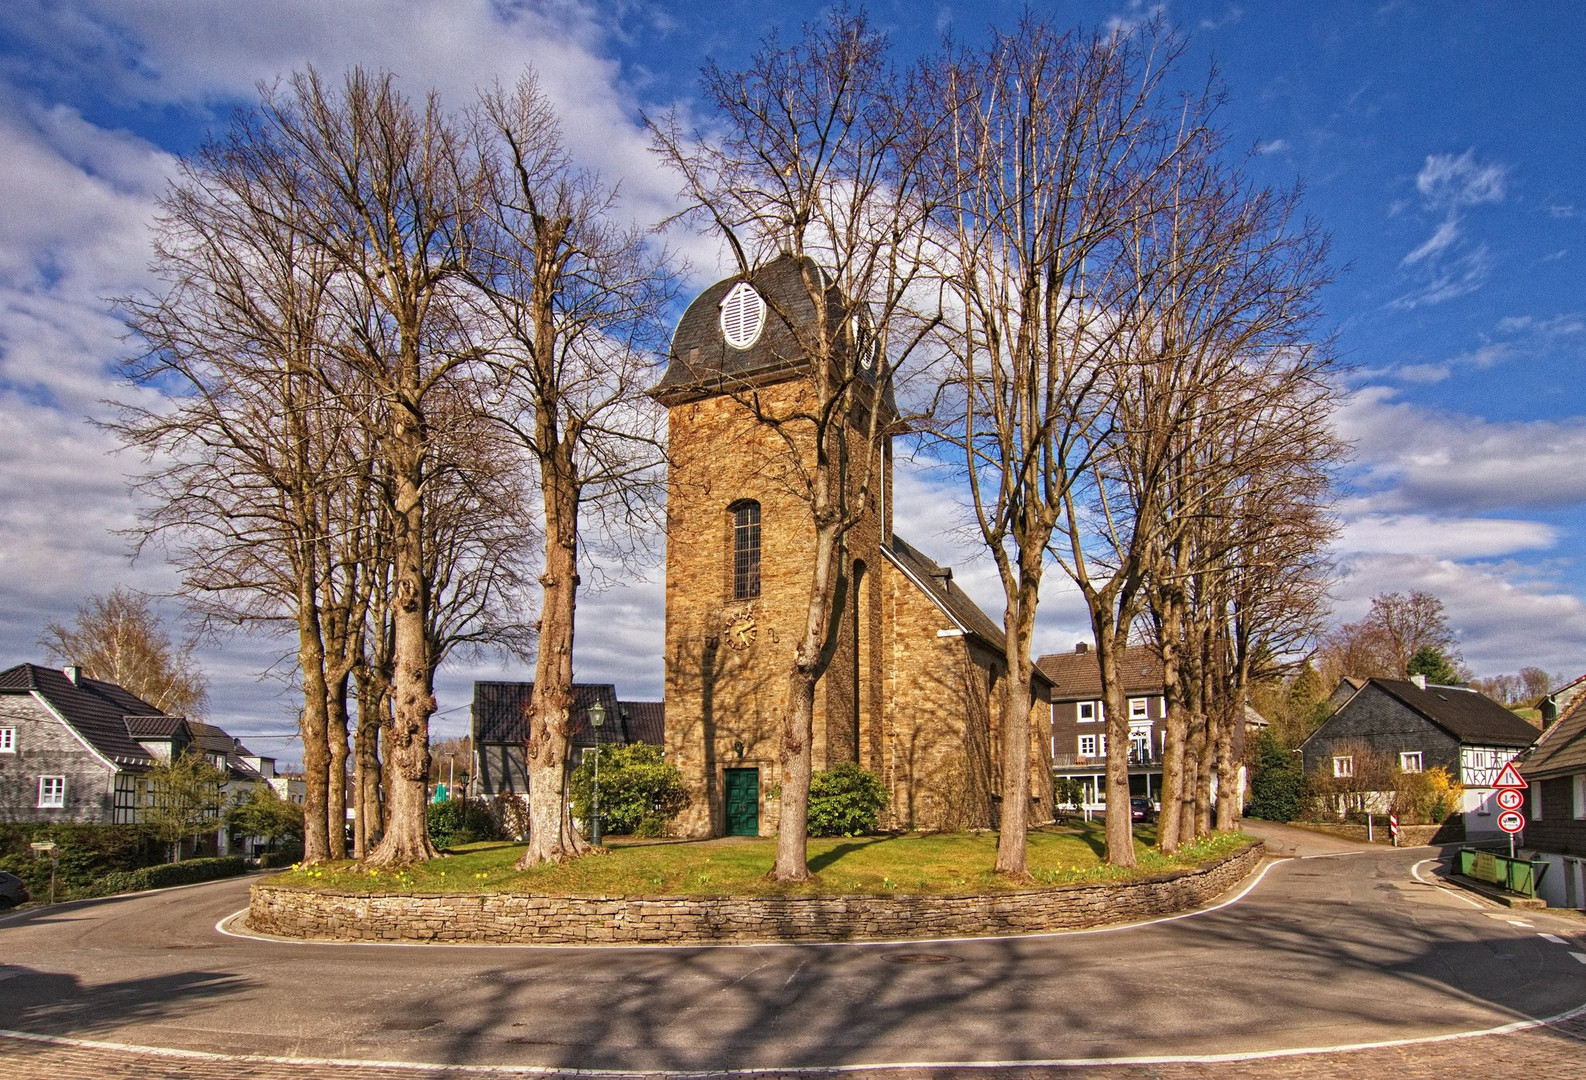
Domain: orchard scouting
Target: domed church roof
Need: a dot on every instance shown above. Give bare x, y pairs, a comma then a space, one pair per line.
739, 332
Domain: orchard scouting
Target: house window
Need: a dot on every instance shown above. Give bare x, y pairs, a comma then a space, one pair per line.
52, 791
8, 740
1139, 708
746, 551
1089, 711
1087, 746
1536, 802
1579, 796
1344, 767
1410, 761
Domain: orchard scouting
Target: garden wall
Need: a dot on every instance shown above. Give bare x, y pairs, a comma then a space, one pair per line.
582, 920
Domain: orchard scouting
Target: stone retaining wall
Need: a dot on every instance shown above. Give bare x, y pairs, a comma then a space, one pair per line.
583, 920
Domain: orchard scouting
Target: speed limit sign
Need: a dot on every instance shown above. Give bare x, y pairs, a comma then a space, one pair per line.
1511, 821
1510, 799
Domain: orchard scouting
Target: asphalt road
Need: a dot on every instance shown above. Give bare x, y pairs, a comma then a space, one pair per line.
1346, 948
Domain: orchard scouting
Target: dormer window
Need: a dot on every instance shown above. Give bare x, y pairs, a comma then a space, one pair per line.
742, 315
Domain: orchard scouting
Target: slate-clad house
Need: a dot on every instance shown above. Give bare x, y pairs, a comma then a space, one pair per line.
1079, 729
1420, 727
499, 728
1555, 810
79, 749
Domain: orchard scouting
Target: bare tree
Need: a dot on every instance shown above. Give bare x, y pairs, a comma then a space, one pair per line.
818, 157
1383, 643
1055, 139
579, 302
118, 638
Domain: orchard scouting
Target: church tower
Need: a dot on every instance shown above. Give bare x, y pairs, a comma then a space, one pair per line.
740, 549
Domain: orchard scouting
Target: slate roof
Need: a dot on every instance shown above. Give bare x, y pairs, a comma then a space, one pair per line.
1561, 750
156, 727
1470, 717
645, 721
701, 363
1076, 676
501, 712
213, 740
96, 710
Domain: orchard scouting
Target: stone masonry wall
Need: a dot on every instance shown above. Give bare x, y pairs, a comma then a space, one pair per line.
557, 920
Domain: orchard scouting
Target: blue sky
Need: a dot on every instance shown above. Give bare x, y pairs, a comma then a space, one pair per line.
1440, 143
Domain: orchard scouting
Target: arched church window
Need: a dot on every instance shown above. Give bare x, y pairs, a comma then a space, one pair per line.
742, 315
745, 550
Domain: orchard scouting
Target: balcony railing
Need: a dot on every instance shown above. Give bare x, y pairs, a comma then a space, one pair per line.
1070, 761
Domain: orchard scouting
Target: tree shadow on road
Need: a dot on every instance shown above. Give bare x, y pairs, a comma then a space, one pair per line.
56, 1004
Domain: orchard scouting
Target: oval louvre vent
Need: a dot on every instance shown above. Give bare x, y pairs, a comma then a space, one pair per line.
742, 316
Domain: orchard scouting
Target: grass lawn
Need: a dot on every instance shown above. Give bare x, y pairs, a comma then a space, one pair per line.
910, 863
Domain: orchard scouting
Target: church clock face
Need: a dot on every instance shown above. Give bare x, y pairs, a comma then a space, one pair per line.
741, 632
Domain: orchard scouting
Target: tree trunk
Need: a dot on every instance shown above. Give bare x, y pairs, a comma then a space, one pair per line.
1175, 726
1013, 828
313, 725
552, 835
1120, 826
336, 767
406, 839
796, 754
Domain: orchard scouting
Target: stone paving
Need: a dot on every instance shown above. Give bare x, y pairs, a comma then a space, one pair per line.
1551, 1053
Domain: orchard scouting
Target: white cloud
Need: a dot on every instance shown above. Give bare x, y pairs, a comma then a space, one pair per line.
1435, 244
1447, 181
1412, 460
1441, 537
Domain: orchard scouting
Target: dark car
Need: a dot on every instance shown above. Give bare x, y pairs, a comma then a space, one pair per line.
12, 891
1142, 810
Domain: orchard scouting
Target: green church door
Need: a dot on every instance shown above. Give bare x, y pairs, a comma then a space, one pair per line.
743, 802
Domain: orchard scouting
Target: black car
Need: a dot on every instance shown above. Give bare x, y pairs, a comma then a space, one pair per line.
1142, 810
12, 891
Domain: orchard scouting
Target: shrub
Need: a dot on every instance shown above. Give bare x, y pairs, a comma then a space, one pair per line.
86, 853
1277, 788
640, 792
461, 821
1426, 798
165, 875
511, 815
845, 801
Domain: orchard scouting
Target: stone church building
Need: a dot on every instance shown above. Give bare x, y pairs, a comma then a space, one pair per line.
912, 690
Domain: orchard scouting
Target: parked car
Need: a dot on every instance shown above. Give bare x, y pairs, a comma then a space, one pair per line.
1142, 810
12, 891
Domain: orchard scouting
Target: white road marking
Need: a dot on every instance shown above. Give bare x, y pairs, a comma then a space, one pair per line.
1517, 922
1554, 938
815, 1070
1415, 872
1581, 956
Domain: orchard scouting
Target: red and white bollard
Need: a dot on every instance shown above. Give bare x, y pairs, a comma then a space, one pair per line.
1393, 828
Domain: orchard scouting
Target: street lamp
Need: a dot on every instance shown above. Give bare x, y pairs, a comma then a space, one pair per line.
597, 716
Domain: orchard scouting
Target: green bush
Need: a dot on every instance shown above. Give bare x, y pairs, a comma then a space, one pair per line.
1277, 789
845, 801
640, 792
461, 821
274, 860
85, 854
165, 875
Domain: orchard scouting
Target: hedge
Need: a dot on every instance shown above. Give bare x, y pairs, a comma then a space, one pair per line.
167, 874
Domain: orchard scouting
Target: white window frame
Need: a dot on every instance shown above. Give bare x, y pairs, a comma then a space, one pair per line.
1578, 782
1139, 708
1090, 741
8, 740
1094, 707
1344, 766
52, 792
1411, 761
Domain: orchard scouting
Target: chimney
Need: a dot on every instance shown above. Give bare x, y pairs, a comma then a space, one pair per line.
74, 672
1081, 647
1419, 680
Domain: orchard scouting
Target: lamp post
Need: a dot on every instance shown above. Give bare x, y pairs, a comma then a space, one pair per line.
597, 716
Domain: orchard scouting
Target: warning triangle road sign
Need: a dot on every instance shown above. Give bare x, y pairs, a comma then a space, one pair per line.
1509, 778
